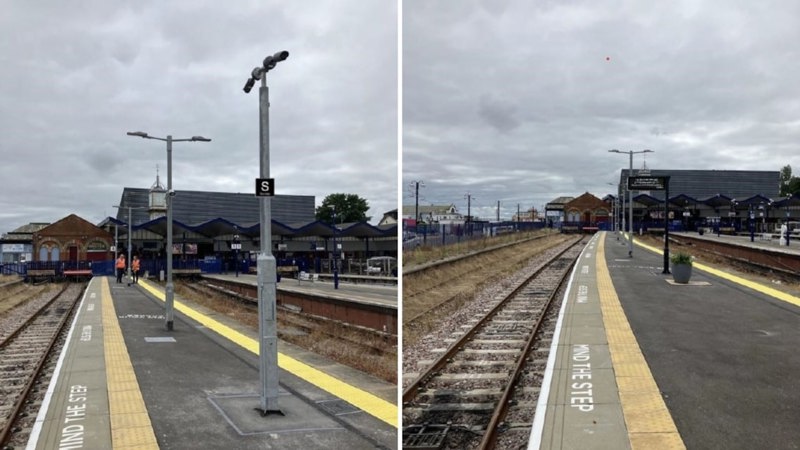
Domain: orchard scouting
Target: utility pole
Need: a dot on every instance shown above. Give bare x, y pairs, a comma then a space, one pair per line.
469, 216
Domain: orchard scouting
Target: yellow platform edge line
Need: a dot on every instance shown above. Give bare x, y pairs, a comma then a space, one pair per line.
124, 396
368, 402
758, 287
655, 419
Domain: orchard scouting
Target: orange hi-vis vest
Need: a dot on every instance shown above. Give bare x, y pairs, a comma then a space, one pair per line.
120, 263
135, 265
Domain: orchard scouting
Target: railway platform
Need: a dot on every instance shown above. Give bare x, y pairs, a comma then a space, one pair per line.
772, 244
640, 362
123, 381
375, 294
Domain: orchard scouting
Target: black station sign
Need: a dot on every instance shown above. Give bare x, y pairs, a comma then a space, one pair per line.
265, 187
647, 183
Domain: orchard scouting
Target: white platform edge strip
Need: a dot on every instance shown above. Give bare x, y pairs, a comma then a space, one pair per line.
33, 440
537, 429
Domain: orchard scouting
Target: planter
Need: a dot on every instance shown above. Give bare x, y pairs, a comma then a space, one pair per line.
681, 273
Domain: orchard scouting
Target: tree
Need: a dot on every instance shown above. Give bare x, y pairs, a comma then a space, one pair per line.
786, 179
349, 208
794, 186
789, 184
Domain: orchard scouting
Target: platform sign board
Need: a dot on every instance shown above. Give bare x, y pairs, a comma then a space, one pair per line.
647, 183
265, 187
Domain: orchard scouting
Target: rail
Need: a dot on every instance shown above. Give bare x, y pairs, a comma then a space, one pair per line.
23, 393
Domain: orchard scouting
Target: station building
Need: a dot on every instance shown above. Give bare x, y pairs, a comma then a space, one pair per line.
207, 224
16, 246
723, 200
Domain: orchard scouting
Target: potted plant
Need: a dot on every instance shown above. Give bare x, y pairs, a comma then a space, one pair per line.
681, 267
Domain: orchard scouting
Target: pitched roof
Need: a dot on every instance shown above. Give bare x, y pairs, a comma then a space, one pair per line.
428, 209
192, 207
703, 184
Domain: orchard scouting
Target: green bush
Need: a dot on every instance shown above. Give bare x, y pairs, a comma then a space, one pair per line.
681, 258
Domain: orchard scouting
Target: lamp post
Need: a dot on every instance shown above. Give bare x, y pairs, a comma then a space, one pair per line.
469, 216
237, 245
335, 255
614, 208
268, 328
630, 194
416, 185
169, 296
130, 225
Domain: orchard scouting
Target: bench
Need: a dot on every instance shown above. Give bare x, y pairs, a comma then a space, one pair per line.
287, 271
40, 273
305, 276
78, 273
191, 273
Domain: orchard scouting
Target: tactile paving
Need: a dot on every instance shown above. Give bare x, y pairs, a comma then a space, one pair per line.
130, 424
649, 423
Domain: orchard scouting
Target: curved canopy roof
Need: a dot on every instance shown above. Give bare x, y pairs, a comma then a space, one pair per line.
647, 200
793, 201
223, 227
718, 200
683, 200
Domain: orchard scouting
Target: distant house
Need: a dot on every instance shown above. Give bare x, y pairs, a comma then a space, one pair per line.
531, 215
389, 218
588, 210
554, 210
17, 246
72, 239
442, 214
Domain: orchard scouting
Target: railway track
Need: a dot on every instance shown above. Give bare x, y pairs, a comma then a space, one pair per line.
464, 398
438, 276
27, 338
296, 322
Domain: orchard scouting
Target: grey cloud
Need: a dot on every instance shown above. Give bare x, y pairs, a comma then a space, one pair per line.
499, 114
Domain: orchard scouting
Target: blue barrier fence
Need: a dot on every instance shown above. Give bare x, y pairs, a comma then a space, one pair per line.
153, 267
446, 234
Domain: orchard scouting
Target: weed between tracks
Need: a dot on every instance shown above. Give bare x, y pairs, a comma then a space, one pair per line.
433, 294
423, 255
323, 339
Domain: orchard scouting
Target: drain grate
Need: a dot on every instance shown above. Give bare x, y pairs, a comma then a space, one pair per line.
424, 437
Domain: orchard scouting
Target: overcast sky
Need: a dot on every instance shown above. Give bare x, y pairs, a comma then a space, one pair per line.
520, 101
76, 76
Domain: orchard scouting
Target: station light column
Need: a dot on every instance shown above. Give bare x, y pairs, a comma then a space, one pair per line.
169, 295
630, 195
267, 267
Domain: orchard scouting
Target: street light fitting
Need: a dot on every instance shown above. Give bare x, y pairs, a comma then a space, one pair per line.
200, 138
248, 85
258, 73
271, 61
141, 134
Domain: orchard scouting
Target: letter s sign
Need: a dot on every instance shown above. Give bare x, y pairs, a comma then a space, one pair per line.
265, 187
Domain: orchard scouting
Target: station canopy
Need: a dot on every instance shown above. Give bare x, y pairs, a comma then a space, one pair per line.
683, 201
718, 201
793, 201
222, 227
